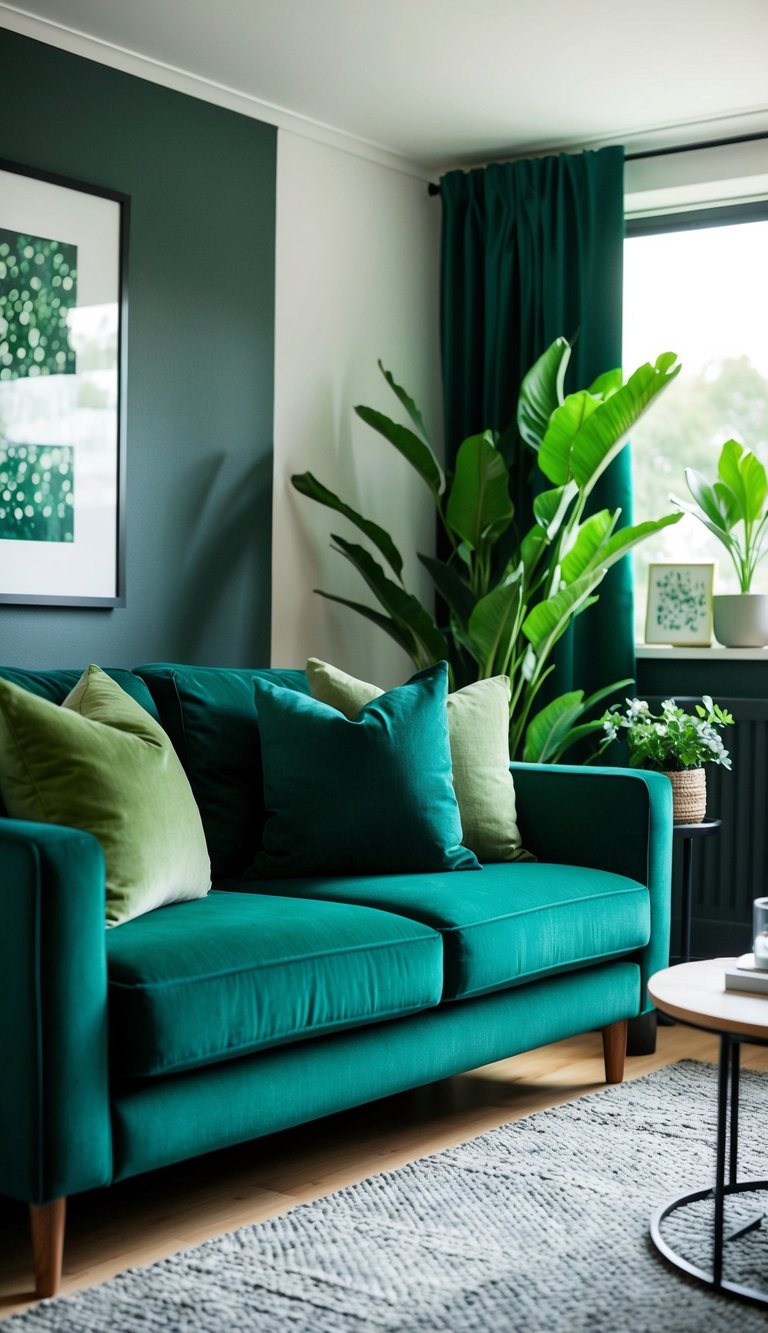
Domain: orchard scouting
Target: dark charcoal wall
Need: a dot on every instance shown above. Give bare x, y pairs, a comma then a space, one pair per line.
200, 358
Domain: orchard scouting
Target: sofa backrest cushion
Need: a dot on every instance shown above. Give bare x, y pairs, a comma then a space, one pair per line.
210, 714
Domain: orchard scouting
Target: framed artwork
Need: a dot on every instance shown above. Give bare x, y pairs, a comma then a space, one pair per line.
680, 605
63, 303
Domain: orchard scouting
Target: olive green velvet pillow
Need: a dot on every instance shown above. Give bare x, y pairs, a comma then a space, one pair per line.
372, 795
100, 763
478, 726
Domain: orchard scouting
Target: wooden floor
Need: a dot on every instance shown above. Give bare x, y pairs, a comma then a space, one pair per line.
153, 1216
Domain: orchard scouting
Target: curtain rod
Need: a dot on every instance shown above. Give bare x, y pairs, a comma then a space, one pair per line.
434, 188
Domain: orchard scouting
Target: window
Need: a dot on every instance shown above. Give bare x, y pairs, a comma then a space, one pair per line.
696, 284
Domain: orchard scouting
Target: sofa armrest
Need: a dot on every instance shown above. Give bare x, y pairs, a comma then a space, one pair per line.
617, 819
55, 1134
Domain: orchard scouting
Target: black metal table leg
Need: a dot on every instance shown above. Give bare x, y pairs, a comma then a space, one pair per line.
734, 1129
686, 906
727, 1147
722, 1129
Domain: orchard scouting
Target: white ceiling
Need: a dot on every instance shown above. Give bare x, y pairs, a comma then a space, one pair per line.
445, 82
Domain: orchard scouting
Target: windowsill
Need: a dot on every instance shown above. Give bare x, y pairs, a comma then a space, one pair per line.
657, 650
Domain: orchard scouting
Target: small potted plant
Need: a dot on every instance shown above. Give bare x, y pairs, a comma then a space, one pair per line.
733, 508
673, 742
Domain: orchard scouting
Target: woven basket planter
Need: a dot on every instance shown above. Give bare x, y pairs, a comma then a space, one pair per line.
689, 795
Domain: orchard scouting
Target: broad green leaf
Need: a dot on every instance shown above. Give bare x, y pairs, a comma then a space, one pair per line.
308, 485
495, 623
532, 548
557, 446
405, 609
418, 454
541, 392
399, 633
606, 692
622, 541
575, 734
591, 536
545, 623
744, 473
728, 502
550, 507
454, 590
607, 383
613, 545
479, 508
465, 555
547, 729
605, 432
406, 400
721, 508
556, 727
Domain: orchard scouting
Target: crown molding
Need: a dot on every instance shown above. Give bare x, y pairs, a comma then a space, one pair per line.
78, 43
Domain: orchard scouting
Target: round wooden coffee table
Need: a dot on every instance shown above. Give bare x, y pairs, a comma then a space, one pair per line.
695, 994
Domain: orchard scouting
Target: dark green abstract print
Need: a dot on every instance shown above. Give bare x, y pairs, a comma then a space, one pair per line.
36, 493
38, 286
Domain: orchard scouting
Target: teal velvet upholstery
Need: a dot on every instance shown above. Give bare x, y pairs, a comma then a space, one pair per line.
614, 819
55, 1121
211, 716
233, 973
190, 1060
56, 685
161, 1121
371, 795
515, 922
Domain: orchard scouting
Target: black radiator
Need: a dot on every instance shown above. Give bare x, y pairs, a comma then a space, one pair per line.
730, 869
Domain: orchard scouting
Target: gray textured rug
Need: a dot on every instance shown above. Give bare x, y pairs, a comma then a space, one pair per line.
539, 1225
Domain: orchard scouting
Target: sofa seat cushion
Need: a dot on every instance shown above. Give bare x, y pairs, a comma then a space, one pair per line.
233, 973
514, 922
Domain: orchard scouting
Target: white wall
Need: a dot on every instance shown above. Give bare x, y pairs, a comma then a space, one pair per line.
357, 279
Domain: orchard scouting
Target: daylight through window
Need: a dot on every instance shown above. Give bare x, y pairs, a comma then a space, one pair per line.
702, 293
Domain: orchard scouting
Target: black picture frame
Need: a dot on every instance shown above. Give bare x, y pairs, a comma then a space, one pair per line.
63, 389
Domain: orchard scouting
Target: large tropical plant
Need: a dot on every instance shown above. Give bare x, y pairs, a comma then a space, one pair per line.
509, 597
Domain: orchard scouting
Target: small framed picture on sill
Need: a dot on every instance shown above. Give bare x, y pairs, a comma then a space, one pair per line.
679, 608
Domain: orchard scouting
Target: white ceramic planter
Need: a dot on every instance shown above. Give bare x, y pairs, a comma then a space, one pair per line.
741, 619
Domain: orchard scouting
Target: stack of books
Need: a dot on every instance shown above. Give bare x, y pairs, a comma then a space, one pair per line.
746, 976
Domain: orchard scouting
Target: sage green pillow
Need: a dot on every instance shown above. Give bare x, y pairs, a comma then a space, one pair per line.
478, 726
370, 796
100, 763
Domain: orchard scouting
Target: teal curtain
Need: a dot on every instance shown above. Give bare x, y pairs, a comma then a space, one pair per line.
532, 250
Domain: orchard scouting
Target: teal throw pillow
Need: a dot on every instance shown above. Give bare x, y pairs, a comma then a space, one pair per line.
373, 795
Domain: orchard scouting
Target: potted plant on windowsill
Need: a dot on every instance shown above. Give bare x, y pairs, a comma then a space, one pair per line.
673, 742
734, 509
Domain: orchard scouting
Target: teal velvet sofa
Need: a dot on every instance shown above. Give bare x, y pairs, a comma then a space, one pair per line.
267, 1004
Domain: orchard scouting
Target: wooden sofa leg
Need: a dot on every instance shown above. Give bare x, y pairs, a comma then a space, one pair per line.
614, 1050
47, 1223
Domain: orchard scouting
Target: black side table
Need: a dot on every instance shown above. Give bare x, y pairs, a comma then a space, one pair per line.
641, 1038
688, 834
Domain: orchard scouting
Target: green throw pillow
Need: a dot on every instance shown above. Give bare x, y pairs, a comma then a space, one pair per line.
101, 763
478, 724
369, 796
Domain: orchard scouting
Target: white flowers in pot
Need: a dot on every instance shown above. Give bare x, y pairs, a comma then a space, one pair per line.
673, 742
